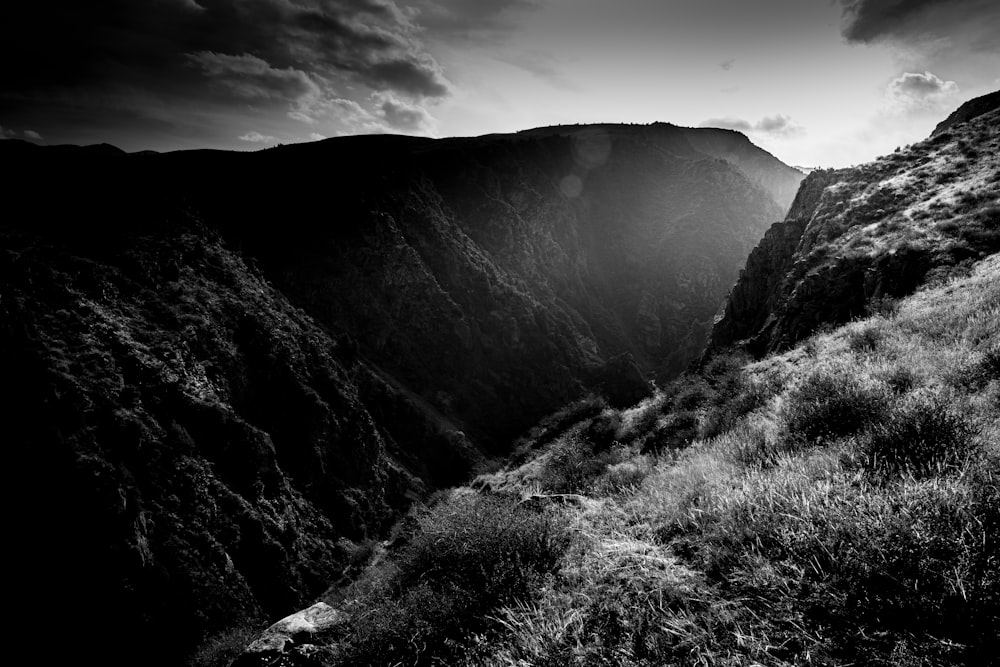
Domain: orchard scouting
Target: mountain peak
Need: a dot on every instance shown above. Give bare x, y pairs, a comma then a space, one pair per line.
971, 109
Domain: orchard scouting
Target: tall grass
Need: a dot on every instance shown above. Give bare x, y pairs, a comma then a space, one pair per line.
836, 505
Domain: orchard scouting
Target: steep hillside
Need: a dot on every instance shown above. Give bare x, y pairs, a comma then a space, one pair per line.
197, 452
968, 111
836, 504
230, 372
854, 239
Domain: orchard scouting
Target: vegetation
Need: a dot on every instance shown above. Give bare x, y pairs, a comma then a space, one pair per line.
471, 555
837, 504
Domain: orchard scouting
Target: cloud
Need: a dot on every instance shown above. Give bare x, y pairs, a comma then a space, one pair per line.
867, 21
262, 48
258, 138
253, 78
913, 91
31, 135
776, 126
737, 124
400, 115
544, 66
728, 64
316, 136
471, 19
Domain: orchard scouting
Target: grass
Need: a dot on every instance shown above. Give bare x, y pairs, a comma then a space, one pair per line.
838, 504
470, 555
850, 516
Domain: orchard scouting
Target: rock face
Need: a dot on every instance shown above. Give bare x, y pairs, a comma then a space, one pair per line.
856, 238
225, 372
971, 109
292, 641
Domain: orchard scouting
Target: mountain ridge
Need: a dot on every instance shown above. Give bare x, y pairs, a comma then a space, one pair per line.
253, 363
859, 236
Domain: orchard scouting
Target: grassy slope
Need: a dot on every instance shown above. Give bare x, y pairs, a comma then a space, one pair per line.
873, 231
851, 517
835, 504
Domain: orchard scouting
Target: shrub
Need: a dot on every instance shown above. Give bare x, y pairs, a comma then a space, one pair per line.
602, 430
989, 217
472, 555
572, 466
900, 379
885, 305
622, 477
691, 396
865, 340
751, 392
919, 439
831, 404
674, 432
557, 423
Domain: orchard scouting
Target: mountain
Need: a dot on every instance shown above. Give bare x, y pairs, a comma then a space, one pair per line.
971, 109
856, 239
227, 373
832, 501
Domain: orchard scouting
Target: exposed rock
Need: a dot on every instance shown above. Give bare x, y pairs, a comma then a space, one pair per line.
539, 500
971, 109
292, 641
855, 238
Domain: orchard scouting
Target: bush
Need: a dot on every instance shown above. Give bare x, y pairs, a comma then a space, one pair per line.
865, 340
748, 393
557, 423
574, 464
832, 404
975, 375
886, 306
900, 379
602, 430
674, 432
691, 396
920, 439
473, 554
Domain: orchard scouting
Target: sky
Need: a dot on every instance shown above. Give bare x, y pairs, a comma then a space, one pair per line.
818, 83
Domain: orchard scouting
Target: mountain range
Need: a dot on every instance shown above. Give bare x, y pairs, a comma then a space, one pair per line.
231, 371
487, 399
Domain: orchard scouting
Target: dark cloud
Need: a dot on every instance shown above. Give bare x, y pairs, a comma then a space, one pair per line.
250, 77
284, 55
727, 64
869, 21
362, 39
776, 126
399, 115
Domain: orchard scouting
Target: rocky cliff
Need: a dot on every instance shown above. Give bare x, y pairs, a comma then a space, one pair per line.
971, 109
225, 373
855, 239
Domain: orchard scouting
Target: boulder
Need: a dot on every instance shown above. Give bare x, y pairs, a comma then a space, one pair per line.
290, 641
